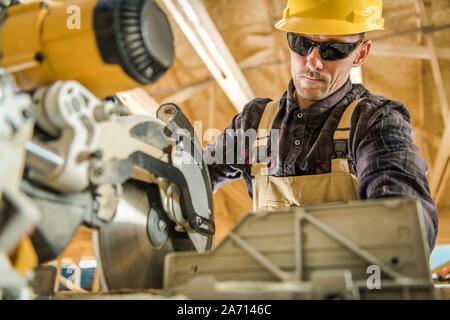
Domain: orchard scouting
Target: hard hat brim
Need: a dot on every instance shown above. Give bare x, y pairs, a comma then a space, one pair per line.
322, 26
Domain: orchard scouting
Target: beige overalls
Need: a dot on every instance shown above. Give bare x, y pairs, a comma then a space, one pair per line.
270, 192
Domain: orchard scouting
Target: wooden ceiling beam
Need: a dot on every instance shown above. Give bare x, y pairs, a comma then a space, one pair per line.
187, 93
254, 61
356, 75
379, 49
437, 74
419, 22
198, 27
139, 101
411, 51
444, 225
258, 58
440, 169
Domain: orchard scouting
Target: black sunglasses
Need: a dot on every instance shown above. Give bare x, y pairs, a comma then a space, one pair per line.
329, 51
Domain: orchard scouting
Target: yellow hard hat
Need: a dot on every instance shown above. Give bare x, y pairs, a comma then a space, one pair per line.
332, 17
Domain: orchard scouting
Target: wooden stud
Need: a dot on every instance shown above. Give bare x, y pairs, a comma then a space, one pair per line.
439, 167
184, 95
438, 174
139, 101
200, 30
437, 75
381, 49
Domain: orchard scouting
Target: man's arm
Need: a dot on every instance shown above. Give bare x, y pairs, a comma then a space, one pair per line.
227, 157
388, 164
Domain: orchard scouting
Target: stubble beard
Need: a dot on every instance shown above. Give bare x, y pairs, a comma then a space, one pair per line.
311, 92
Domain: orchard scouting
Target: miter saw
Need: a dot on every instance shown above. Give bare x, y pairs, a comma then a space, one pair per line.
18, 213
139, 181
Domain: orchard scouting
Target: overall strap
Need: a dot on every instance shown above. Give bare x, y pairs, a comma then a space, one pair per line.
260, 166
342, 133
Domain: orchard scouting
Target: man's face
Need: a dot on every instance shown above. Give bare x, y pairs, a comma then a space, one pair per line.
316, 79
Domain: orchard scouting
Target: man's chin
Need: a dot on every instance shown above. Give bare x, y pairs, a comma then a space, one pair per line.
311, 94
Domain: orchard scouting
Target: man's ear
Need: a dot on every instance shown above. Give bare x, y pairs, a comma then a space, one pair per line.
363, 53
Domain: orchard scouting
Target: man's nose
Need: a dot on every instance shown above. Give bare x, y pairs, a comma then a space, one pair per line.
314, 61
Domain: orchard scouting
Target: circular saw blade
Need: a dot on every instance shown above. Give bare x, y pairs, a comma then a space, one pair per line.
126, 257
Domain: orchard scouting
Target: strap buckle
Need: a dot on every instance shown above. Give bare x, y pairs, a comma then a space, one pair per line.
340, 149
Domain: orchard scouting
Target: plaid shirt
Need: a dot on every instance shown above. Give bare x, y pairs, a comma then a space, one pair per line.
385, 160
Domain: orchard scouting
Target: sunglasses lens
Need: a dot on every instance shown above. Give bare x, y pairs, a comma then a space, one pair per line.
299, 45
336, 51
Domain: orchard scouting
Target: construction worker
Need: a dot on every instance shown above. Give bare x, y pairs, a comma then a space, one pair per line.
336, 140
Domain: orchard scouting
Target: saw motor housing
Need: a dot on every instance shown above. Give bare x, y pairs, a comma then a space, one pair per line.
106, 45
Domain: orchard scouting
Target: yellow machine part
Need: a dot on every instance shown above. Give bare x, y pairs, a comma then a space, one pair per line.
39, 48
24, 257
